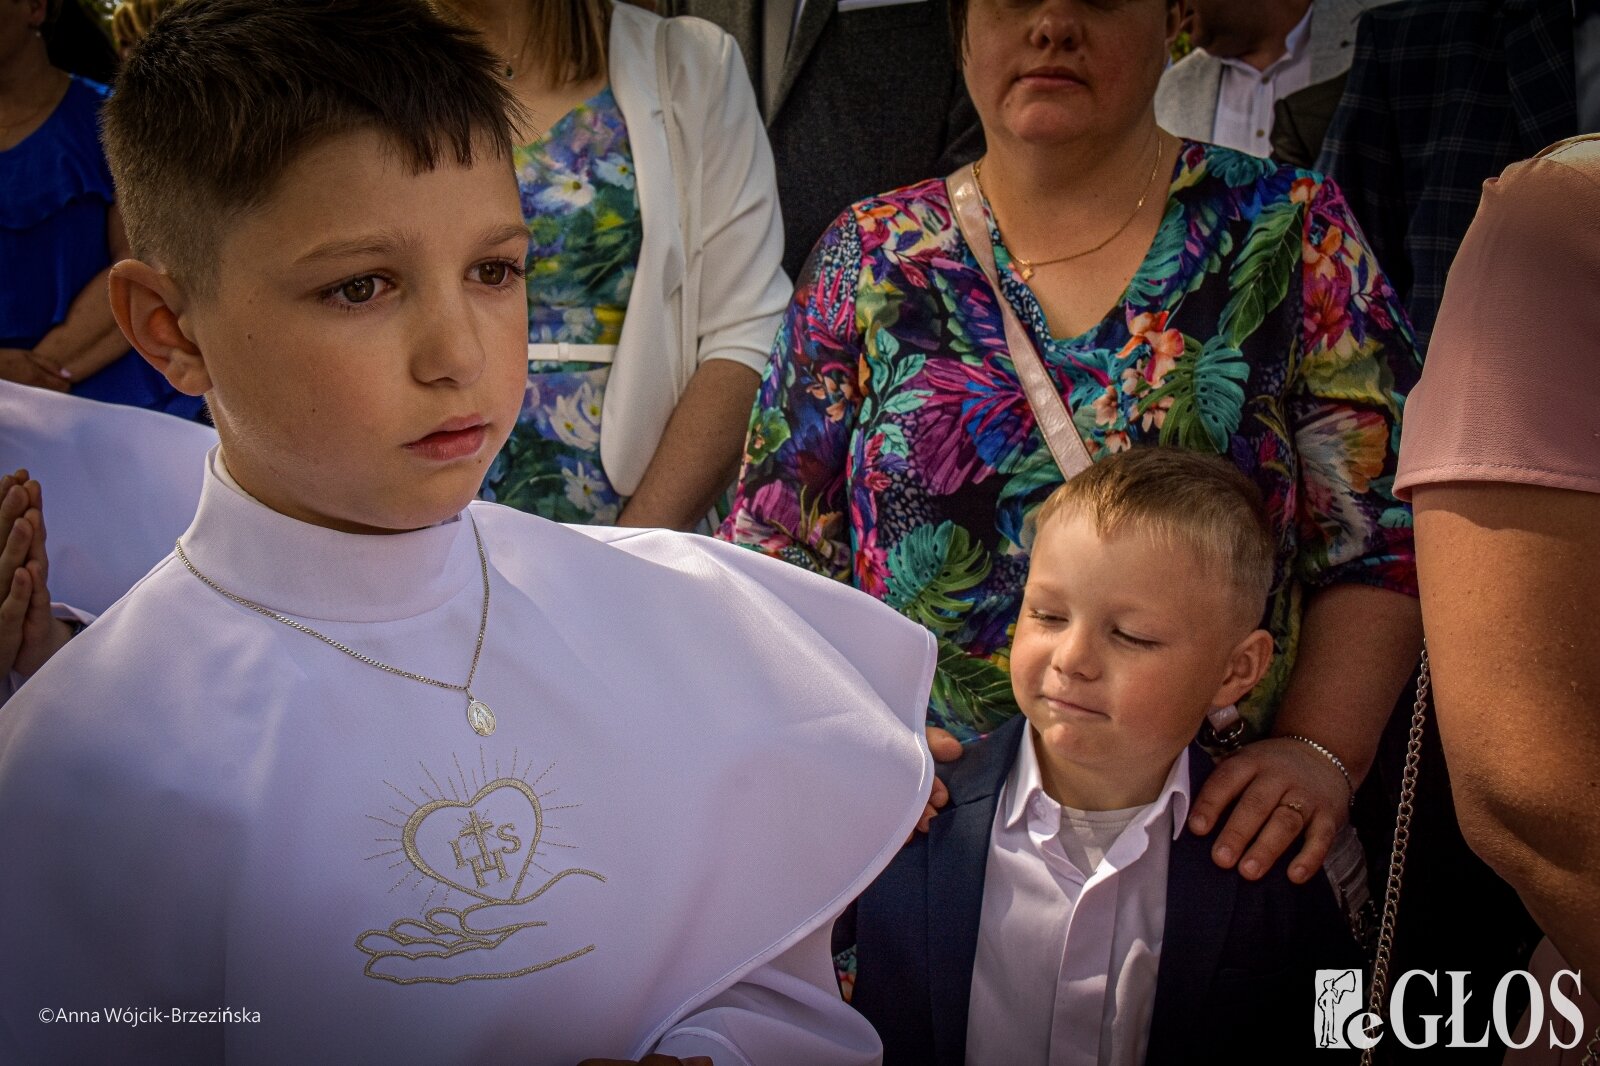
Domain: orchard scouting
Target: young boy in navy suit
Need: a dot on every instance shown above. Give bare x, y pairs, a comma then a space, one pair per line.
1058, 911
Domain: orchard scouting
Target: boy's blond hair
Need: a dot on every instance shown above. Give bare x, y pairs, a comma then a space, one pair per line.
1200, 501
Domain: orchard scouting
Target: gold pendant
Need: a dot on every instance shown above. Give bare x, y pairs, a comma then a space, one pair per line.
480, 717
1027, 269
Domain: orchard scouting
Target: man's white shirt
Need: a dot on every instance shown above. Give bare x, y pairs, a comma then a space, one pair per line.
1245, 95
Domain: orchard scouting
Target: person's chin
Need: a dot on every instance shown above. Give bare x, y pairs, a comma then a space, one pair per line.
1046, 123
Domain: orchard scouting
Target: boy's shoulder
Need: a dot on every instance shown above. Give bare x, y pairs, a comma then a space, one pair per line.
129, 697
671, 574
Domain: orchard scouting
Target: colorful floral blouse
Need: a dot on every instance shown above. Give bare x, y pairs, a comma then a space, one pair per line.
892, 445
582, 207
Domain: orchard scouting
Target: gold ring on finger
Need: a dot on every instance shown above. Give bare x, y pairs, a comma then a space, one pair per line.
1298, 808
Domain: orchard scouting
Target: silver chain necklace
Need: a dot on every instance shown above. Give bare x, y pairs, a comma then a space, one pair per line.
479, 716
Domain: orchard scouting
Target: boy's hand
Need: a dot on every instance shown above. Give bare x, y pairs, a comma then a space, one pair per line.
1284, 789
29, 635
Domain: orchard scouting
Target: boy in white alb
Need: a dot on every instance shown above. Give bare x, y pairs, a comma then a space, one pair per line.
361, 773
1058, 910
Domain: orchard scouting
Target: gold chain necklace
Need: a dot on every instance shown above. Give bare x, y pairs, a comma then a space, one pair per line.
1027, 267
479, 716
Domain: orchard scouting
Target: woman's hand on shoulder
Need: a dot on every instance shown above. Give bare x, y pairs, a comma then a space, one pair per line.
1284, 789
945, 748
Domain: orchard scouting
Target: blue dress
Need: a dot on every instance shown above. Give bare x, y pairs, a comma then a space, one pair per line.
53, 242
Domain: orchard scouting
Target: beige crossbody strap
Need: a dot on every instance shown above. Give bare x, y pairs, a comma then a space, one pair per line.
1049, 410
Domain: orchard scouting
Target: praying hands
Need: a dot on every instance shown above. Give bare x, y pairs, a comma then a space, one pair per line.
29, 635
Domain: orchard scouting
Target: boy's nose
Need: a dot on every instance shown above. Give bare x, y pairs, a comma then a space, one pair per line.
1075, 654
448, 342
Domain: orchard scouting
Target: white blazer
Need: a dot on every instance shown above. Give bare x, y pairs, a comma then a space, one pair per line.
720, 292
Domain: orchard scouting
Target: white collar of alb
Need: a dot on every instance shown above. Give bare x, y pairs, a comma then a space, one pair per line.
310, 572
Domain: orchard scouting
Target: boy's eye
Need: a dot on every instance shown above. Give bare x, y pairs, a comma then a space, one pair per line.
359, 290
496, 272
1138, 642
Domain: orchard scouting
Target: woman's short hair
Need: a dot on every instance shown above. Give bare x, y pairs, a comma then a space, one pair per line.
132, 19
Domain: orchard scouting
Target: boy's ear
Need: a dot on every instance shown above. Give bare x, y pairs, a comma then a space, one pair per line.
1247, 664
147, 304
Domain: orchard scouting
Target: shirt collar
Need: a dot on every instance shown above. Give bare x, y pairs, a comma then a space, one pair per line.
1024, 783
1293, 43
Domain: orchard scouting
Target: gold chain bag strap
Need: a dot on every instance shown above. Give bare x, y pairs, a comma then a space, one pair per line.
1049, 409
1397, 855
1397, 864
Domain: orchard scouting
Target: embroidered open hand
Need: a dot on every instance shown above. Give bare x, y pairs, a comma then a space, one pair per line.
484, 941
483, 848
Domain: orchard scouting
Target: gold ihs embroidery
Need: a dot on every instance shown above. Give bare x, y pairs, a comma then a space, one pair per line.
482, 842
487, 858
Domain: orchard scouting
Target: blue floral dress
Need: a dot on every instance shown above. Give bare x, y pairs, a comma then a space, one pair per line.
581, 203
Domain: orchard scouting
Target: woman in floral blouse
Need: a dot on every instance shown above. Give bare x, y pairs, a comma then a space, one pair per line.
1239, 313
654, 274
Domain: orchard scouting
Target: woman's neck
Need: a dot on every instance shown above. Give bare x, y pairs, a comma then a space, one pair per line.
1042, 185
29, 78
506, 27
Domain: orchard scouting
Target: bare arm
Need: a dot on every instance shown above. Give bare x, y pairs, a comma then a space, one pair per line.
1358, 645
699, 452
88, 339
1510, 580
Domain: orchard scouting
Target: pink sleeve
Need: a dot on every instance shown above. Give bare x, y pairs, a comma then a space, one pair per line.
1510, 389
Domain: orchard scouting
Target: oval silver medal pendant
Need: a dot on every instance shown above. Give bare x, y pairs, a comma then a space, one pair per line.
480, 717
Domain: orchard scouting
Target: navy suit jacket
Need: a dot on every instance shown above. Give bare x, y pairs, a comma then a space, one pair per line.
1236, 983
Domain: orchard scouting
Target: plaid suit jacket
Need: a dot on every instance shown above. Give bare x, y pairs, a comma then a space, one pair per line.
1444, 94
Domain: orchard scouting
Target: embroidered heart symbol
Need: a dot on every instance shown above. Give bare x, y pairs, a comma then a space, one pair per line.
486, 842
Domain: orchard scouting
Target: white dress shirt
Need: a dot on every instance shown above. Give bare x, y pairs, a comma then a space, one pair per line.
1065, 972
1245, 95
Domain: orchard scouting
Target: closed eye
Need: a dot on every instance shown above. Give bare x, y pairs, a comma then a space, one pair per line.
1138, 642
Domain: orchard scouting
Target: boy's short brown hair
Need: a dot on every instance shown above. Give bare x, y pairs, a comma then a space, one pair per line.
223, 95
1200, 501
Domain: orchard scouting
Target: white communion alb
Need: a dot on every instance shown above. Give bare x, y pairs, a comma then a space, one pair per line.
701, 756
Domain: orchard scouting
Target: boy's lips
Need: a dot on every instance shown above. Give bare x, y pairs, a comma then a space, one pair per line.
1068, 707
456, 438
